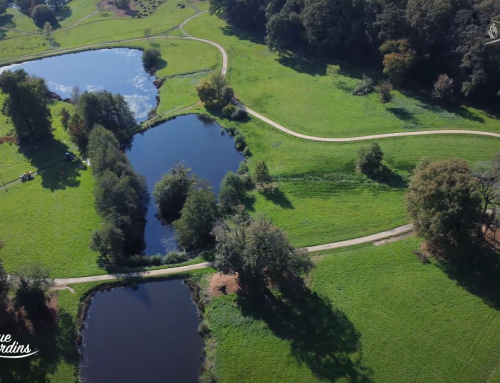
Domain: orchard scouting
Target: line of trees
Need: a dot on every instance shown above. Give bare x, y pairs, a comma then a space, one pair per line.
98, 108
120, 198
413, 39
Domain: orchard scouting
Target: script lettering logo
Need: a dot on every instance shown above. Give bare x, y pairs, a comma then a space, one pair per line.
8, 347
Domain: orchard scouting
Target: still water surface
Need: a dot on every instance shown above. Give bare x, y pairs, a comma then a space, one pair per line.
145, 335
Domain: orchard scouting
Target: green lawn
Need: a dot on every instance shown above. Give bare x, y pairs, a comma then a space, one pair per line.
301, 97
375, 313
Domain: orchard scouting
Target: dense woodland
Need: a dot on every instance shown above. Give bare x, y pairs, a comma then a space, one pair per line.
414, 40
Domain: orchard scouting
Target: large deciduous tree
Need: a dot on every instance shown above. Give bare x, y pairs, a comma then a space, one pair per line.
214, 92
444, 204
26, 105
257, 250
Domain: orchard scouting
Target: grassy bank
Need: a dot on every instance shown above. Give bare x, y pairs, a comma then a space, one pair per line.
374, 314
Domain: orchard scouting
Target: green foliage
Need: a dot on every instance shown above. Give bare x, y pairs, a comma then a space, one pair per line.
228, 110
32, 283
370, 160
444, 204
333, 70
231, 193
65, 117
243, 168
3, 7
214, 92
151, 58
171, 191
384, 89
261, 177
26, 105
120, 196
240, 141
175, 257
23, 5
193, 228
123, 4
364, 87
42, 14
398, 58
257, 250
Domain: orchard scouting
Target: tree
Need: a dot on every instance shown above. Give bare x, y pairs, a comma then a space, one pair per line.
214, 92
57, 4
122, 4
370, 159
78, 131
42, 14
75, 95
151, 58
47, 28
4, 284
231, 193
364, 87
26, 105
198, 216
333, 70
256, 250
3, 7
65, 117
170, 193
444, 89
262, 178
108, 241
444, 204
147, 34
32, 283
384, 89
23, 6
398, 58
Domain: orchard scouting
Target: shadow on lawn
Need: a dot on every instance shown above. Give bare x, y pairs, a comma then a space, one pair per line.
52, 335
479, 276
279, 198
320, 335
255, 38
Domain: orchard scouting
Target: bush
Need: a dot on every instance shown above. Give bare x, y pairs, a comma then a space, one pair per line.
156, 260
247, 152
228, 110
151, 58
42, 14
175, 257
231, 193
262, 178
239, 114
364, 87
384, 91
370, 159
214, 92
135, 261
243, 168
239, 141
444, 89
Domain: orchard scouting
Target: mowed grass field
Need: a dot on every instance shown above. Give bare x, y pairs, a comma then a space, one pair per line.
101, 27
374, 314
301, 97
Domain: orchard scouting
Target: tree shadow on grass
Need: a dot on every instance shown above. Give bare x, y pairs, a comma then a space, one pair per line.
52, 335
402, 114
303, 65
479, 276
279, 198
390, 178
320, 335
255, 38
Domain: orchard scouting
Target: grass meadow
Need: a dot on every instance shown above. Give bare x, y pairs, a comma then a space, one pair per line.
370, 314
301, 97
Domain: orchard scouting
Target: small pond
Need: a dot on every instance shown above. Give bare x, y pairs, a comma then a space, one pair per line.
148, 334
117, 70
199, 144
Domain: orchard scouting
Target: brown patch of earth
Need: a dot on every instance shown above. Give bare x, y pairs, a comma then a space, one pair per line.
222, 284
110, 5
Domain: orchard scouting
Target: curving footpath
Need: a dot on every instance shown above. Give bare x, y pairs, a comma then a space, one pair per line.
174, 270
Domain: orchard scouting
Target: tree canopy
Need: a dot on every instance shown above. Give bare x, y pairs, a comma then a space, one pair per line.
26, 105
42, 14
214, 92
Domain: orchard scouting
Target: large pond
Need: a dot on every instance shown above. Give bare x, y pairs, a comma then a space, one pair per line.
148, 334
199, 145
117, 70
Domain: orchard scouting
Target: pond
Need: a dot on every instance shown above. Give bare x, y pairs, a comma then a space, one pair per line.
117, 70
148, 334
199, 144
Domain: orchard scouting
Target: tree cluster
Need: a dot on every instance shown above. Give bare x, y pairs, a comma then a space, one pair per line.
42, 14
413, 39
151, 58
99, 108
26, 105
120, 198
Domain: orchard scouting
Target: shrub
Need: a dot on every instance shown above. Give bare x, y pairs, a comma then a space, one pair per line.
364, 87
239, 114
247, 152
42, 14
150, 58
444, 89
156, 260
239, 141
384, 91
228, 110
231, 193
214, 92
243, 168
262, 178
175, 257
370, 159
